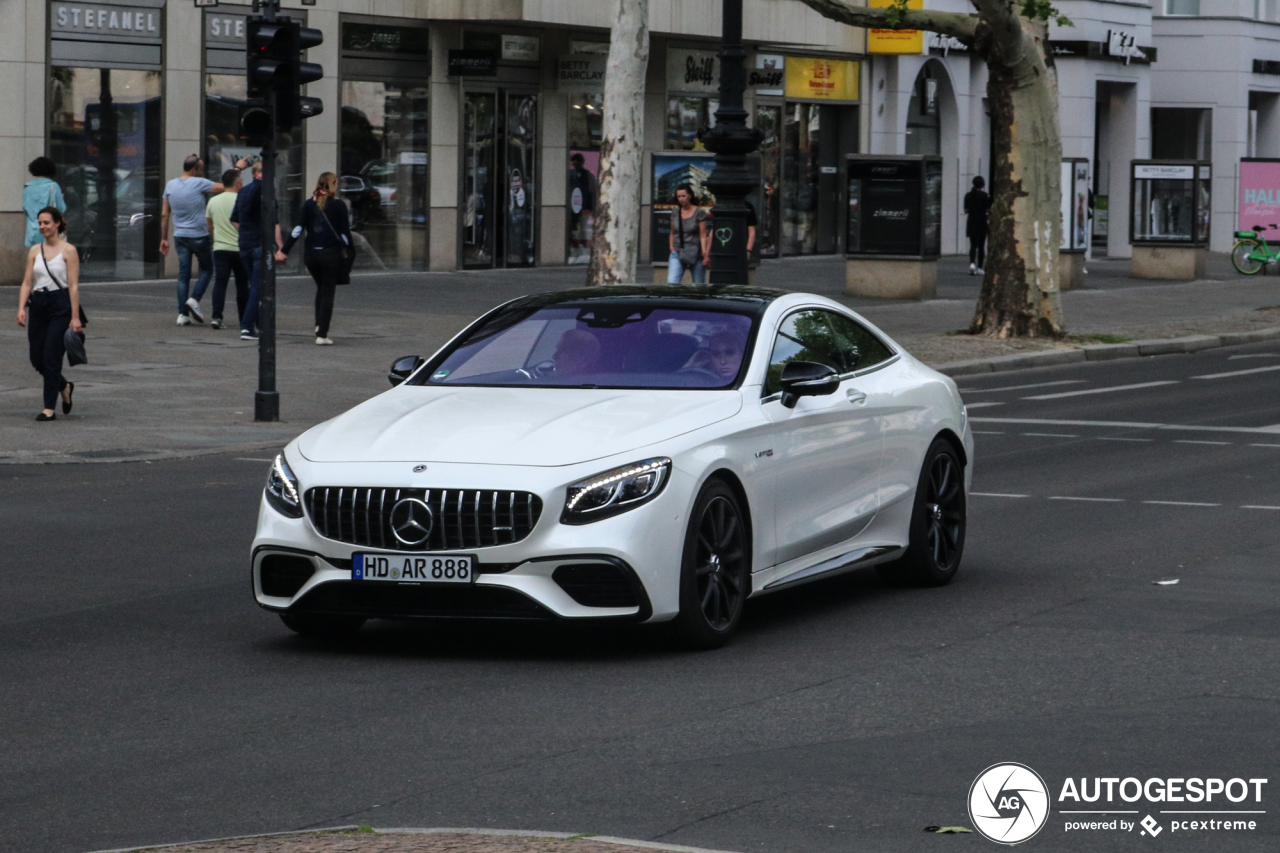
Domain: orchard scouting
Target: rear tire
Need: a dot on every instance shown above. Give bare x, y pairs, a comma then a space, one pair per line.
715, 569
938, 521
322, 626
1242, 257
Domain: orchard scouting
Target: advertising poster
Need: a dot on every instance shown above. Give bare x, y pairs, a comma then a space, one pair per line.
895, 41
584, 173
822, 79
670, 171
1259, 202
1075, 205
884, 207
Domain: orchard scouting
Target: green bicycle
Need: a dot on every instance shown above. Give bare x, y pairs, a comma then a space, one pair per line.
1251, 254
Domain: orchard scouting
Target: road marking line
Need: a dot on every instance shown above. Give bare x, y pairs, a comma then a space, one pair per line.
1194, 441
1061, 394
1264, 445
247, 459
1051, 434
1117, 438
1021, 387
1266, 369
981, 405
994, 432
1274, 429
1255, 355
1178, 503
1097, 500
993, 495
1256, 506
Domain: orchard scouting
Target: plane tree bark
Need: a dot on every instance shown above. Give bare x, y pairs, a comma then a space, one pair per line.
615, 243
1020, 296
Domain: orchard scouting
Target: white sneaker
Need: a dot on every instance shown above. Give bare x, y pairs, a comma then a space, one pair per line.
324, 342
981, 271
184, 320
194, 308
972, 269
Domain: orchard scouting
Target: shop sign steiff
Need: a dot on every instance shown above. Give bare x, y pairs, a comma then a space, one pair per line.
107, 23
895, 41
581, 72
521, 48
821, 79
691, 71
769, 75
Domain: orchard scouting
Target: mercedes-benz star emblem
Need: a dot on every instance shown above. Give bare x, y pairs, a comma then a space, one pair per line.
411, 521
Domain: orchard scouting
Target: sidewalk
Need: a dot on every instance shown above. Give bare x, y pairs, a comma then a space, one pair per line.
154, 390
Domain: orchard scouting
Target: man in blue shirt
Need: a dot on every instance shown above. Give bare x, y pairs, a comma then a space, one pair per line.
39, 193
184, 203
247, 217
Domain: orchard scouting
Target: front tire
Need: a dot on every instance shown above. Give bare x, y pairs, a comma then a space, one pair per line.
938, 521
1243, 259
322, 626
715, 571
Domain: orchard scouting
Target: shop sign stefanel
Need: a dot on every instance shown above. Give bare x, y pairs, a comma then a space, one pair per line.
1010, 803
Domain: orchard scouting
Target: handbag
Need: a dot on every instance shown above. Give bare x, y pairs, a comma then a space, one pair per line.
73, 342
84, 320
348, 252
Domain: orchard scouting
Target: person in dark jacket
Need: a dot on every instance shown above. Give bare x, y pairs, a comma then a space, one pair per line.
246, 216
328, 245
976, 205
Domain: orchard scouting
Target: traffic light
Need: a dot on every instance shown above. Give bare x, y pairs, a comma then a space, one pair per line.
274, 64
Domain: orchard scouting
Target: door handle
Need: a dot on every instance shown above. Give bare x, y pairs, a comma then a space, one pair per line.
855, 396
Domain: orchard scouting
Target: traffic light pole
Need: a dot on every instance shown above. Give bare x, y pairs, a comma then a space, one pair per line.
266, 401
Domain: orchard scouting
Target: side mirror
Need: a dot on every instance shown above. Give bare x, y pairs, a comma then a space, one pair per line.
807, 379
402, 367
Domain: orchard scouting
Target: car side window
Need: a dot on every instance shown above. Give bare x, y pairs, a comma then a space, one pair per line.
860, 348
804, 336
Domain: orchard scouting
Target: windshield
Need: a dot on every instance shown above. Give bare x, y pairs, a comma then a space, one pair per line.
602, 345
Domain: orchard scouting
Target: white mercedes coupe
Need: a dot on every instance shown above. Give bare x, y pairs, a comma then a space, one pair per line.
643, 454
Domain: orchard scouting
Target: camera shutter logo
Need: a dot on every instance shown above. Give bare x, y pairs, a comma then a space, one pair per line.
411, 521
1008, 803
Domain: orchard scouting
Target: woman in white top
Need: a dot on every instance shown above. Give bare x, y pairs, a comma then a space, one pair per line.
52, 284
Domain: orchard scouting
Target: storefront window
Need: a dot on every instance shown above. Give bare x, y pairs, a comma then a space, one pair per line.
586, 120
224, 145
923, 122
685, 115
769, 122
105, 136
800, 128
385, 145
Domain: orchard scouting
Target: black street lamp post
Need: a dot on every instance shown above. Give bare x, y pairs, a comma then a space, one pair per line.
732, 141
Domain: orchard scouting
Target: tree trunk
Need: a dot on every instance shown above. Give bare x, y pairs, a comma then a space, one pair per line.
615, 244
1020, 289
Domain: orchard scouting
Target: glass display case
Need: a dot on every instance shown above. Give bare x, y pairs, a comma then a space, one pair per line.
895, 206
1170, 203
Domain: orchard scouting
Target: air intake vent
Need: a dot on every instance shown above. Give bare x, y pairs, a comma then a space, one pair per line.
283, 574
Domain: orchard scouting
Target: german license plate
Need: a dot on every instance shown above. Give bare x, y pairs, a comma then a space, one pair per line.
412, 569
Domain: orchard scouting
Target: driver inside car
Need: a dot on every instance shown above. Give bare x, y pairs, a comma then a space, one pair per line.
722, 356
577, 353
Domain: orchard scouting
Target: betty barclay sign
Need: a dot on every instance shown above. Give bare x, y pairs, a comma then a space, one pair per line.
581, 72
895, 41
818, 78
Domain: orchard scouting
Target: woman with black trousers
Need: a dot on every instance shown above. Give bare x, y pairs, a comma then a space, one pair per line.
328, 244
52, 284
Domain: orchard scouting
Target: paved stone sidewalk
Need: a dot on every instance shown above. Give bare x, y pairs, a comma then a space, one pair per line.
154, 390
391, 841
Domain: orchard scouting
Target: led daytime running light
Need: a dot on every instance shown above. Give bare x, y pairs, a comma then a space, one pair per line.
289, 492
624, 474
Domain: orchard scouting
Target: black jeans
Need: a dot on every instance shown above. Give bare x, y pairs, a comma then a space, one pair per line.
226, 264
978, 250
323, 266
48, 316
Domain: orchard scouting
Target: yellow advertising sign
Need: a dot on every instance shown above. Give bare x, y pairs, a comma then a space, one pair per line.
818, 78
895, 41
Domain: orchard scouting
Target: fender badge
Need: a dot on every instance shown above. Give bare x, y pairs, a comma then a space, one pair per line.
418, 469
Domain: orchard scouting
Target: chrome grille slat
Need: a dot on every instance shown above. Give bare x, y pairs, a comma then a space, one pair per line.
463, 518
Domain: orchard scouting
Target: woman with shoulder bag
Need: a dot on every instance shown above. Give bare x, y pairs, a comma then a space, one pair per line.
52, 284
327, 251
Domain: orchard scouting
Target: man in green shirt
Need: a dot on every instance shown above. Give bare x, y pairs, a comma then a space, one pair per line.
226, 249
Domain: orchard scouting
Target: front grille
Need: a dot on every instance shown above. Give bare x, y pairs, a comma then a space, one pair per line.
461, 518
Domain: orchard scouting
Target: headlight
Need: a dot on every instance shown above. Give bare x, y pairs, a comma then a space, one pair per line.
618, 490
282, 489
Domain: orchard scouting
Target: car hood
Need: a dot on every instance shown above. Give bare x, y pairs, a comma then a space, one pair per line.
511, 426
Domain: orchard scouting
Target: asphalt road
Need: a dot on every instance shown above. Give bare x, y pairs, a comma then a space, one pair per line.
146, 698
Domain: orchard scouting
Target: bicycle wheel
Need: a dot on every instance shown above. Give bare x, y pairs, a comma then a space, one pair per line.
1248, 256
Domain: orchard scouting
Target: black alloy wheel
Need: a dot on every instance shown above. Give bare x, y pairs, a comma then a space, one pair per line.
715, 576
938, 521
322, 625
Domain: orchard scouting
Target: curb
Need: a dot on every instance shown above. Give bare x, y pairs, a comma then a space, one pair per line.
439, 830
1105, 352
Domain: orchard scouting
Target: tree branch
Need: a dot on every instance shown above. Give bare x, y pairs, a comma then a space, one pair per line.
954, 24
